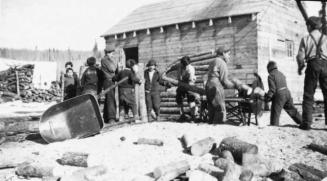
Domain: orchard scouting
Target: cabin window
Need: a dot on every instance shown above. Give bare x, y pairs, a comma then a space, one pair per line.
289, 48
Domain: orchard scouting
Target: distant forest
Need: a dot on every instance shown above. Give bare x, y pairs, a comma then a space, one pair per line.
48, 55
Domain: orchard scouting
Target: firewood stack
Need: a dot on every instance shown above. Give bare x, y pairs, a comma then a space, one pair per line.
41, 95
25, 77
169, 108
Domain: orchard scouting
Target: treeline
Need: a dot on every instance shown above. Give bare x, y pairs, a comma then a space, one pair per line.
46, 55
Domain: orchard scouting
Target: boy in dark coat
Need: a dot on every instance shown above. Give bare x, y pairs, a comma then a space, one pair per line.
152, 89
92, 78
280, 96
69, 65
70, 86
127, 90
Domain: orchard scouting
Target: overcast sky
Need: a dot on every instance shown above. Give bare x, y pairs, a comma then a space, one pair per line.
62, 24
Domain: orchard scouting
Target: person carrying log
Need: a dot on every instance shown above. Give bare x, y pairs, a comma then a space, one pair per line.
152, 89
217, 81
186, 74
109, 68
126, 90
313, 52
280, 96
92, 78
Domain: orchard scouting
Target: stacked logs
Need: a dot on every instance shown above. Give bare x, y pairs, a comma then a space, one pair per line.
20, 76
169, 108
41, 95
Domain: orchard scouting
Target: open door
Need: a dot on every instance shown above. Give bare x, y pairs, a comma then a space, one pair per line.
132, 53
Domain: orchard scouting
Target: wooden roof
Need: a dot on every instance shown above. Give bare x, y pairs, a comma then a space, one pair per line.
180, 11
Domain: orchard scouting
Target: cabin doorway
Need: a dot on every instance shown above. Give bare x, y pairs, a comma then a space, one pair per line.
132, 53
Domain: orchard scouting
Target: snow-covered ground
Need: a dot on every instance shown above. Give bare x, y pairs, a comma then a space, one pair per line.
124, 160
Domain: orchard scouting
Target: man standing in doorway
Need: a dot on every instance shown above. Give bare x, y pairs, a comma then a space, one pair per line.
109, 68
313, 51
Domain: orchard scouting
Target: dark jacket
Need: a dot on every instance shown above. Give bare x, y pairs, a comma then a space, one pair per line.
153, 86
92, 79
276, 82
108, 67
131, 81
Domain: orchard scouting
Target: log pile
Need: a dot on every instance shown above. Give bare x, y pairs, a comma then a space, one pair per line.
169, 108
41, 95
20, 76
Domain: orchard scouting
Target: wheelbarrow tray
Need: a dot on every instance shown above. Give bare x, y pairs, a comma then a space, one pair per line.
74, 118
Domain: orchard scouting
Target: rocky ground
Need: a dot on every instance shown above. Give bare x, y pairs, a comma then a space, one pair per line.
284, 145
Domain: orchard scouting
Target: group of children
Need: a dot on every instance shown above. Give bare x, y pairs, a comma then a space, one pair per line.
95, 79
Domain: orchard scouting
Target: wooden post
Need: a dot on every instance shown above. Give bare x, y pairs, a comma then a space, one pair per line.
62, 86
17, 83
141, 93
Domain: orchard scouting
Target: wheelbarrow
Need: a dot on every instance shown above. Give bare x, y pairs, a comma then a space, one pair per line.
78, 117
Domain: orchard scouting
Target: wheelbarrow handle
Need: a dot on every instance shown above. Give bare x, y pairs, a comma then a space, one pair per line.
113, 86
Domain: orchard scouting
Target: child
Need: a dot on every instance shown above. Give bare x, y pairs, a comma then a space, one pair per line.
152, 89
126, 90
70, 86
91, 81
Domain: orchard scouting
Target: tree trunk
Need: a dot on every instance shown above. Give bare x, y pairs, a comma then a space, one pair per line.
237, 148
203, 146
74, 159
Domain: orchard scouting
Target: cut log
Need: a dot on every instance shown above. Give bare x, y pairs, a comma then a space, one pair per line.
237, 148
211, 170
319, 148
308, 172
186, 141
286, 176
87, 174
203, 146
51, 179
256, 164
19, 127
197, 175
246, 175
143, 178
179, 167
232, 171
74, 159
227, 155
169, 176
34, 170
146, 141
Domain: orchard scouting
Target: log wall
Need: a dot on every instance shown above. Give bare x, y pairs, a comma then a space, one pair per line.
278, 25
240, 35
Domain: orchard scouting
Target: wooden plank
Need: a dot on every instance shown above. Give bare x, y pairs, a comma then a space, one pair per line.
141, 93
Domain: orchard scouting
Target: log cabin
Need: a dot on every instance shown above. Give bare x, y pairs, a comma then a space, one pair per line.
255, 30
